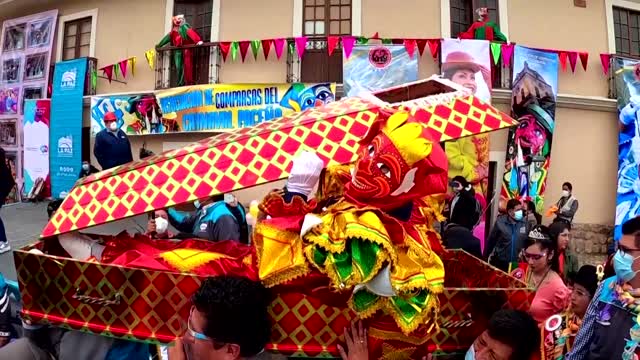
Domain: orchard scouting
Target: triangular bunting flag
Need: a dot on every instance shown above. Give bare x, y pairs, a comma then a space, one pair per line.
301, 45
150, 55
584, 59
410, 45
507, 54
94, 79
255, 48
573, 60
244, 47
108, 72
292, 47
605, 60
562, 57
396, 41
115, 69
332, 42
225, 46
347, 45
279, 46
434, 47
234, 50
132, 65
387, 42
266, 47
496, 51
362, 40
376, 36
123, 67
422, 43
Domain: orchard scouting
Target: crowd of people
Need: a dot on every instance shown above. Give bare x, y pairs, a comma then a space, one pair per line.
588, 312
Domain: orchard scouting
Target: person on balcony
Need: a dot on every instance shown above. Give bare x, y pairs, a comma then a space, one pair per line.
217, 218
112, 147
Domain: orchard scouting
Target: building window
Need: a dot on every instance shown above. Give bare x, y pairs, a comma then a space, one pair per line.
197, 13
77, 38
626, 24
322, 18
463, 13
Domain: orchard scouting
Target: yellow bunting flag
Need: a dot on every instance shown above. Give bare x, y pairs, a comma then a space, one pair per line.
150, 55
132, 65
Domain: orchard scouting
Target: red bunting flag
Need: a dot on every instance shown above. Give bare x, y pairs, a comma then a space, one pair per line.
410, 45
347, 45
279, 46
562, 56
266, 47
123, 67
332, 42
573, 60
507, 54
225, 46
301, 45
375, 36
605, 60
584, 59
108, 72
422, 43
434, 47
244, 47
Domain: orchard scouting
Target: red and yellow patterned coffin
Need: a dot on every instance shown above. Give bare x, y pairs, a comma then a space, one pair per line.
252, 156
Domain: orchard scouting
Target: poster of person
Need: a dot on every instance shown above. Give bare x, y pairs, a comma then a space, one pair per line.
468, 63
8, 137
376, 67
627, 83
39, 33
11, 70
13, 38
36, 147
9, 100
34, 66
137, 115
32, 93
534, 90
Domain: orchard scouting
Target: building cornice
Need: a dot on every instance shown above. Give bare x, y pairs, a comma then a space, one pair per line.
499, 96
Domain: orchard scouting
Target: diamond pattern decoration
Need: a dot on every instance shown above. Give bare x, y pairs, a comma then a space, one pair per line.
250, 156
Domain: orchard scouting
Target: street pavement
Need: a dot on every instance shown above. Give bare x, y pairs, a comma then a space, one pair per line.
24, 222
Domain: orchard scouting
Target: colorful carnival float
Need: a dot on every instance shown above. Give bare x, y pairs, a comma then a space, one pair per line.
364, 247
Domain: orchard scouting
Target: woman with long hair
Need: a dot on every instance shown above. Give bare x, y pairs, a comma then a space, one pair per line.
541, 254
560, 233
6, 184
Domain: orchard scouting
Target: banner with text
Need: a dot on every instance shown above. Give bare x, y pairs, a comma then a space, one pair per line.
376, 67
534, 90
217, 107
66, 125
137, 115
627, 84
36, 147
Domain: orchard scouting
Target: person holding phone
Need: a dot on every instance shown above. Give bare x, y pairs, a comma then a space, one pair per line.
213, 220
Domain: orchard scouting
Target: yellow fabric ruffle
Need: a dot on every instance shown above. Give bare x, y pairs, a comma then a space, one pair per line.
280, 255
186, 260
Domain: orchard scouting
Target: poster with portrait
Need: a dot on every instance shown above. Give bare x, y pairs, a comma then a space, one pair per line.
534, 91
376, 67
14, 36
34, 66
11, 70
8, 134
468, 64
39, 33
9, 96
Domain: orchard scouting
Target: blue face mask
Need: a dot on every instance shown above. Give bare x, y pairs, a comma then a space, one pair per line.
471, 354
518, 215
623, 265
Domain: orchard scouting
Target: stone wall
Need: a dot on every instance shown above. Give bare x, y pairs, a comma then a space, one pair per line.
590, 242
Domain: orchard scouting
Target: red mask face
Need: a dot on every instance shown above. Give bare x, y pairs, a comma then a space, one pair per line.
530, 134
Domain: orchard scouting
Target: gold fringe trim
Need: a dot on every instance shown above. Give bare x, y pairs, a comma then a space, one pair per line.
285, 276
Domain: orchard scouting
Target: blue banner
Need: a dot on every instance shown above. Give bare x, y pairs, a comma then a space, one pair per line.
66, 125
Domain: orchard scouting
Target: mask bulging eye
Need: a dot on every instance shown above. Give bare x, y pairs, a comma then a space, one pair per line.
372, 150
384, 169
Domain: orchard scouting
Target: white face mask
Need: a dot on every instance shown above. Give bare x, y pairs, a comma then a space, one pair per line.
113, 126
161, 225
85, 167
565, 193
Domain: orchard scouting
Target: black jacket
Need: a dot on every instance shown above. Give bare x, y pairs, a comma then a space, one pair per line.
111, 149
463, 209
7, 182
459, 237
507, 239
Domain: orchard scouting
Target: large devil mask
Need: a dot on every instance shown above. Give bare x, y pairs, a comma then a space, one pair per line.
398, 162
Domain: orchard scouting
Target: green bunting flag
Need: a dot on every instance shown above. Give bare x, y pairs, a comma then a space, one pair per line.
255, 48
234, 50
496, 50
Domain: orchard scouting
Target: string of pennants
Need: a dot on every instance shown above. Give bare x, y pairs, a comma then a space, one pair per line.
297, 45
120, 68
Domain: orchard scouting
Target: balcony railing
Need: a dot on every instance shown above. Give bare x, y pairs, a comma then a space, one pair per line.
200, 64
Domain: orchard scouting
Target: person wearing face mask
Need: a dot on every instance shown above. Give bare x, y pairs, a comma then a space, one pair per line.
464, 208
507, 237
87, 169
611, 326
567, 206
158, 226
567, 260
112, 147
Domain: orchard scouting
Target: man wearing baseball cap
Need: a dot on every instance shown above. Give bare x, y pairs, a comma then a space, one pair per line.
112, 147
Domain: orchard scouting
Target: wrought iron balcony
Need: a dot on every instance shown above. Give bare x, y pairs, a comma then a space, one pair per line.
200, 65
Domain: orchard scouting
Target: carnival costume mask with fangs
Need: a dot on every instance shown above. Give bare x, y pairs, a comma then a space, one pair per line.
398, 162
